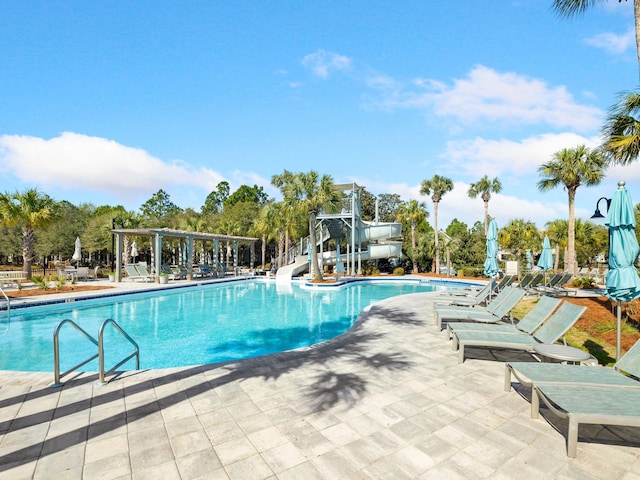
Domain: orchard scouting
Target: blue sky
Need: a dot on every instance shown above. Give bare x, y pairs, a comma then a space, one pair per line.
107, 102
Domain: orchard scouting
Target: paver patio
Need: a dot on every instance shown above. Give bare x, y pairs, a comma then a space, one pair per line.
386, 400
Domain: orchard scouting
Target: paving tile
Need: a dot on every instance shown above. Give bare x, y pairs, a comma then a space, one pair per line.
283, 457
202, 463
109, 467
253, 467
235, 450
101, 448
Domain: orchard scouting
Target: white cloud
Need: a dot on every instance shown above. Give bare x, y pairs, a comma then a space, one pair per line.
322, 63
457, 204
77, 162
498, 157
613, 43
487, 95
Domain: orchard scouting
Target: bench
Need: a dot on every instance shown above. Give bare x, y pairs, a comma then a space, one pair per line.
12, 277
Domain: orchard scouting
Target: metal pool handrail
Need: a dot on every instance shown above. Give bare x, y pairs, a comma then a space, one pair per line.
136, 352
6, 298
100, 355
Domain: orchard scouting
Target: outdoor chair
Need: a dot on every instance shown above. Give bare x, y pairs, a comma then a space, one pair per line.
533, 284
168, 271
588, 404
526, 280
556, 284
82, 273
468, 300
529, 323
550, 331
529, 374
451, 311
133, 274
511, 298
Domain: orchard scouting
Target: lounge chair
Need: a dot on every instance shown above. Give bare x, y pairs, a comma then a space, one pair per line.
455, 311
511, 298
528, 373
143, 271
533, 284
506, 281
529, 323
555, 280
550, 331
133, 274
526, 280
469, 299
588, 403
167, 270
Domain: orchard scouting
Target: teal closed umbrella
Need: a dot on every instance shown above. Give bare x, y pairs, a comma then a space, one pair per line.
545, 262
622, 282
491, 263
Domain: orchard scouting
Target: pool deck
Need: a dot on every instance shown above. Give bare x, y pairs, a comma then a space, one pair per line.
387, 399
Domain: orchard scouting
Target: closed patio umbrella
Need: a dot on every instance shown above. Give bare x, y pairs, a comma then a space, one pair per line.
491, 263
77, 253
545, 262
529, 259
134, 251
622, 282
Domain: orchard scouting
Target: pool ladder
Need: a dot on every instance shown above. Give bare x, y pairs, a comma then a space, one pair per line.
8, 309
100, 355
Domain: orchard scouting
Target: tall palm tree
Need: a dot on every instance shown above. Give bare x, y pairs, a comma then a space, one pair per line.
558, 232
29, 210
262, 227
284, 182
621, 130
572, 167
413, 212
312, 193
436, 187
483, 188
568, 8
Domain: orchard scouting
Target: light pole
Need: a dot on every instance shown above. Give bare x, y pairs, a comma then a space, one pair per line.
597, 213
113, 241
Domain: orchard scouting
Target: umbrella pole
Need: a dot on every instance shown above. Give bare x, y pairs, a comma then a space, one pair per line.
618, 328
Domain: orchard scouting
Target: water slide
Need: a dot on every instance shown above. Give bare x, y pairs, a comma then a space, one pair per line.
369, 231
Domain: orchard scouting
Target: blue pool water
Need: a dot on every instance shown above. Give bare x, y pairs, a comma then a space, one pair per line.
191, 326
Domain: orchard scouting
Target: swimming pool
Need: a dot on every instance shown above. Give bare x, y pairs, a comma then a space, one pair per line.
192, 326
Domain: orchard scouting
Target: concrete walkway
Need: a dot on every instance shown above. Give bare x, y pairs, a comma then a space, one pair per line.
387, 400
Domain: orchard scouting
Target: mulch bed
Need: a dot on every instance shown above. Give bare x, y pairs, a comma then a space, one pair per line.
34, 291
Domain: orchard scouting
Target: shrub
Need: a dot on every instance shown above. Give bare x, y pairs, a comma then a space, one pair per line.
398, 271
471, 271
584, 282
371, 271
40, 281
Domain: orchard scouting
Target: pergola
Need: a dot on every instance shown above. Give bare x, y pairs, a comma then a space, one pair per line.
157, 234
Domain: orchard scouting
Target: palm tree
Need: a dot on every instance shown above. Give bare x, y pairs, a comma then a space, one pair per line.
436, 187
312, 193
558, 232
621, 130
262, 227
572, 167
413, 212
518, 236
484, 187
568, 8
29, 210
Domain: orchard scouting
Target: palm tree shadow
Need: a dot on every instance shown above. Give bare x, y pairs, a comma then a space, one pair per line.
353, 350
397, 315
331, 389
